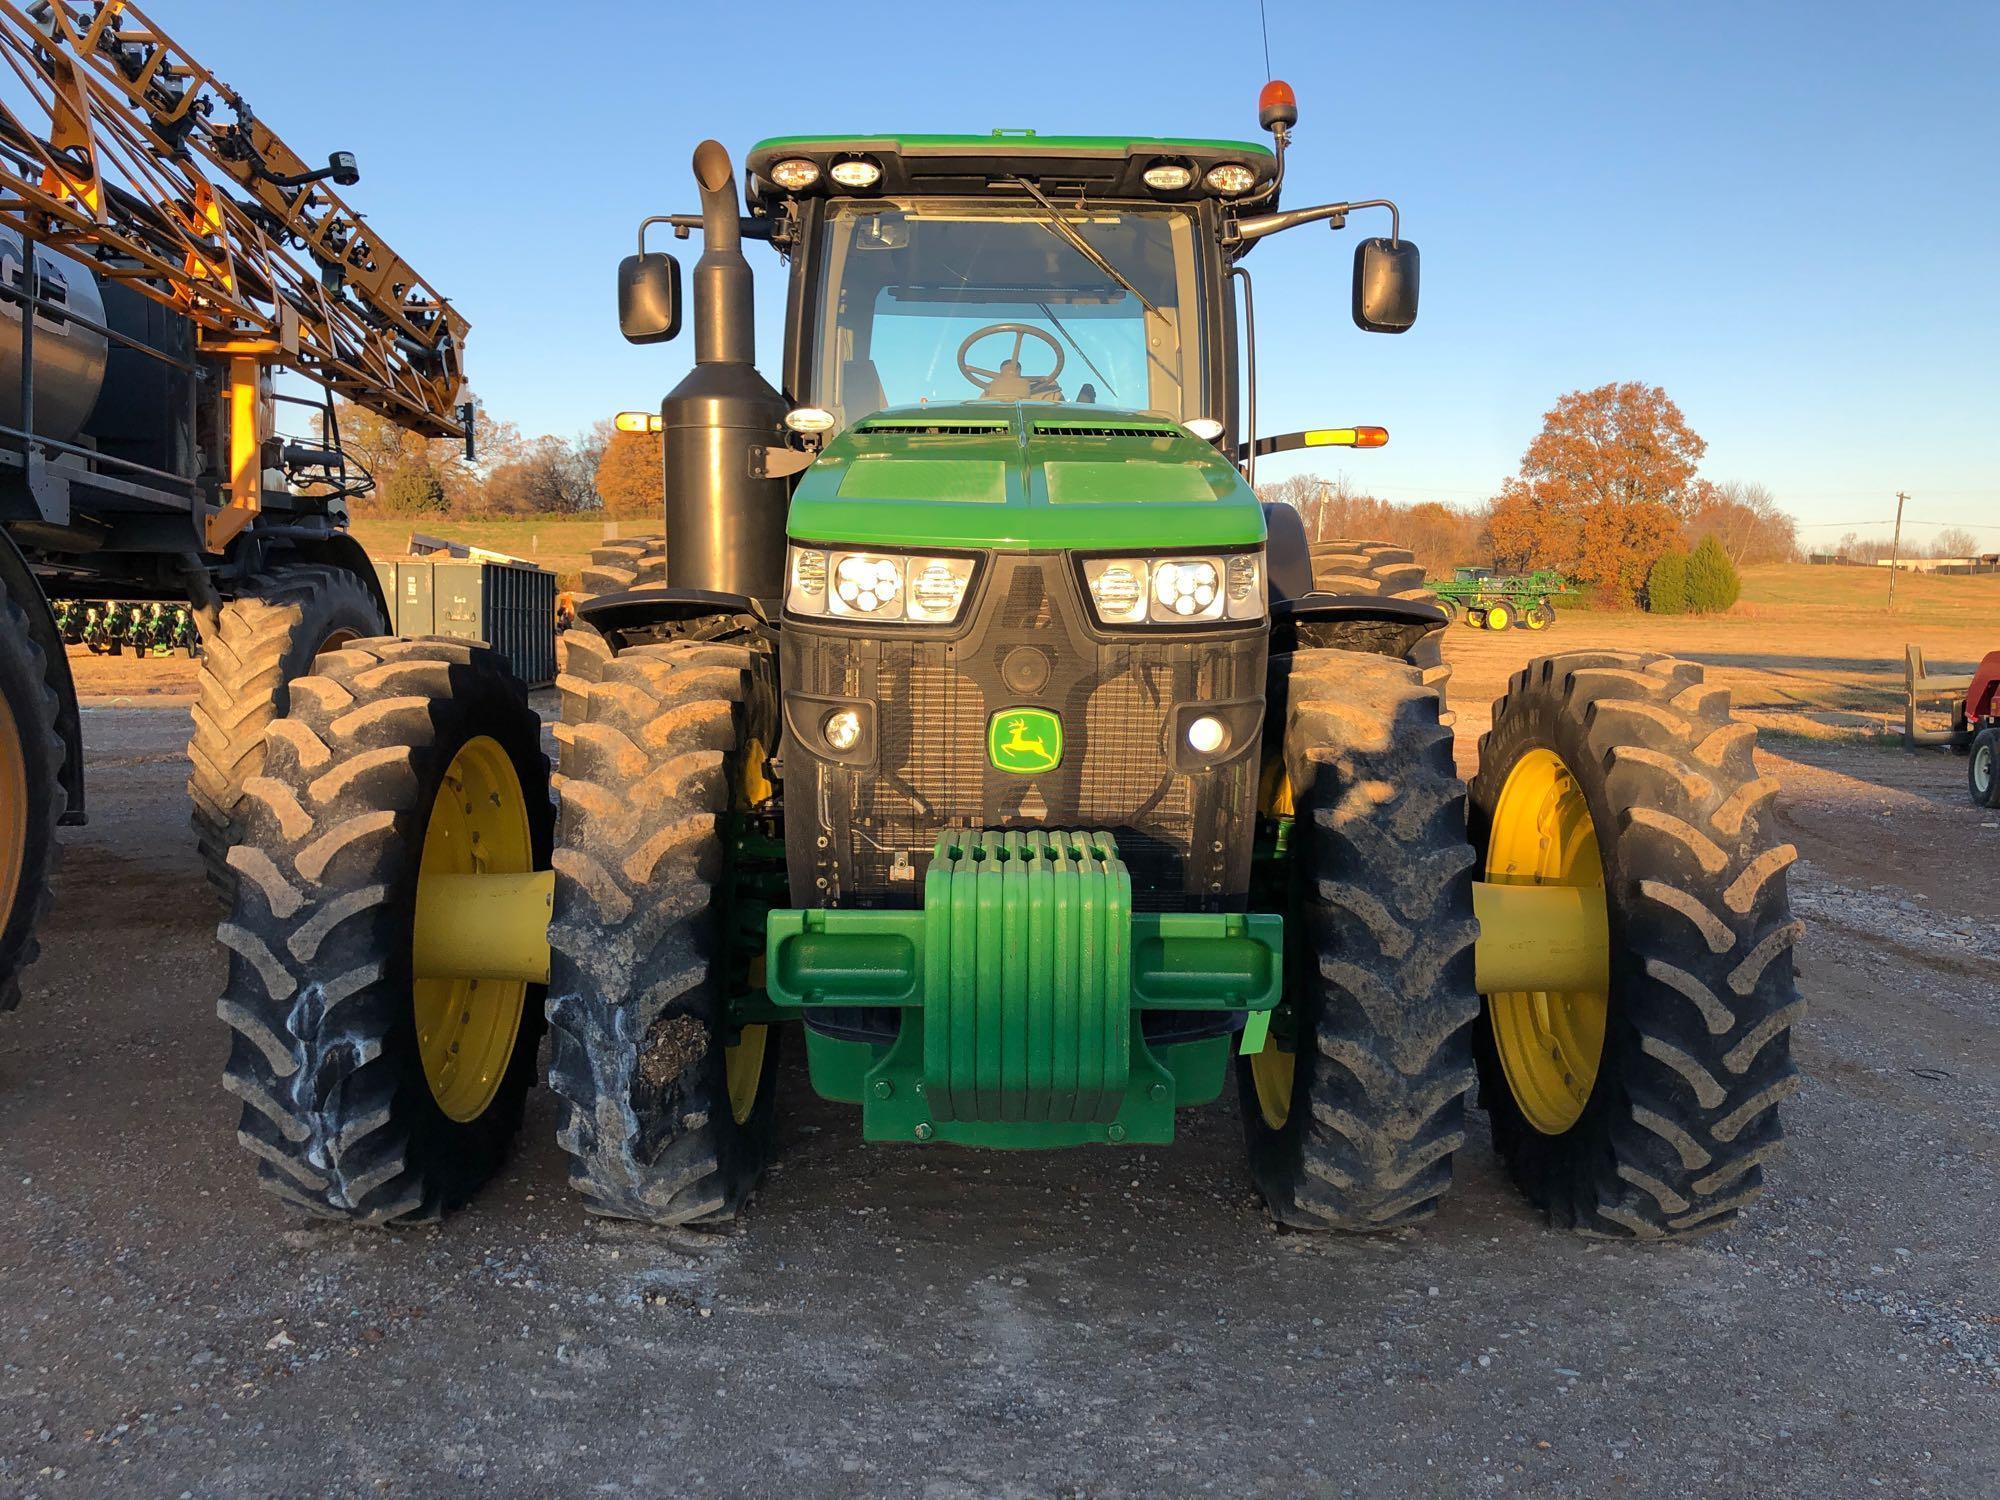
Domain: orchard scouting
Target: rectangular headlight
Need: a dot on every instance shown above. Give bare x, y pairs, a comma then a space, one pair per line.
888, 586
1118, 587
867, 585
1244, 586
805, 580
937, 588
1176, 590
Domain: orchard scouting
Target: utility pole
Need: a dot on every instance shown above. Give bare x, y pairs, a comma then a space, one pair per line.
1896, 549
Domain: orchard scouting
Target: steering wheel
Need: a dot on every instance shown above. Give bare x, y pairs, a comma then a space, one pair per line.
1008, 383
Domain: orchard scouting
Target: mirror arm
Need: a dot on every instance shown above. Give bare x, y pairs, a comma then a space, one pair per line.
1242, 231
684, 224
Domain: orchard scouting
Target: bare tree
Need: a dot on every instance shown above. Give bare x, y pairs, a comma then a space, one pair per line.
1955, 541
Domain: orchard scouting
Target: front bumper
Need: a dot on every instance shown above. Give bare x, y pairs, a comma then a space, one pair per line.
1023, 981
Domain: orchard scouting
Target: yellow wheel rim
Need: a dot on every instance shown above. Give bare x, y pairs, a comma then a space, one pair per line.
743, 1060
1271, 1074
13, 812
1271, 1070
466, 1027
1498, 617
743, 1067
1550, 1044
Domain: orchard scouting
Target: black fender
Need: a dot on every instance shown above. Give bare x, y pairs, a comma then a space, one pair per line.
25, 590
1287, 555
1352, 622
658, 613
338, 550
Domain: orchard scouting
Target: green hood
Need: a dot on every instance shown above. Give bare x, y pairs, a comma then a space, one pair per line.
1028, 476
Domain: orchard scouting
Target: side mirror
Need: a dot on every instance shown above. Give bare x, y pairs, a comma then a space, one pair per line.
649, 298
1385, 285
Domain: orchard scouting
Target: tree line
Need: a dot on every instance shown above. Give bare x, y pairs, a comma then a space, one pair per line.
599, 471
1605, 490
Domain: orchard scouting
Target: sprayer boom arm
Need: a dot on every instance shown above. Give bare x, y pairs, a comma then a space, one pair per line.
127, 154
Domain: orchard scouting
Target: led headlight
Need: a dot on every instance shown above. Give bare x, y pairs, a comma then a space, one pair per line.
1231, 179
1117, 589
1244, 572
1188, 590
867, 583
937, 588
860, 172
805, 586
876, 585
1176, 590
795, 173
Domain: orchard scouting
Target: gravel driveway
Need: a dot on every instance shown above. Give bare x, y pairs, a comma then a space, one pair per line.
947, 1323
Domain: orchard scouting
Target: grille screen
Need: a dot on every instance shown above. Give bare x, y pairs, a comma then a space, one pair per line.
1051, 429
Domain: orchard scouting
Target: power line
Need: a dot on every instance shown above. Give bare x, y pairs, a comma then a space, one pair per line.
1891, 520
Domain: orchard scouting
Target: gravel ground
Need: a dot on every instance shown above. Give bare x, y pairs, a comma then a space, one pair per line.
947, 1323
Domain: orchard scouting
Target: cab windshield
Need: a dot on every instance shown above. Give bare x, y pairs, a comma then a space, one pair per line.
930, 300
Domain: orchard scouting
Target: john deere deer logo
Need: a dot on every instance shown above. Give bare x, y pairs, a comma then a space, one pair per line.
1024, 740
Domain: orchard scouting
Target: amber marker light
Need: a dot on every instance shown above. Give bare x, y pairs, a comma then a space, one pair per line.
639, 421
1347, 437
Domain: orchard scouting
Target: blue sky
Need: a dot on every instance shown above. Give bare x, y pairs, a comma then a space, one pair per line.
1783, 213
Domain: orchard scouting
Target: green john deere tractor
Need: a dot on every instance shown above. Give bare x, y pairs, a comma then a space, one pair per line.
980, 733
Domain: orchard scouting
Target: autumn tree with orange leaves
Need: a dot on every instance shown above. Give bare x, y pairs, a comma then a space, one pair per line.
1604, 489
630, 476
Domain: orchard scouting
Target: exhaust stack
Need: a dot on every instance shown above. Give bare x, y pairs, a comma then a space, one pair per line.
725, 527
724, 314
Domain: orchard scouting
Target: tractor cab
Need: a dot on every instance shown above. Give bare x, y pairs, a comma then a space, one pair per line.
1009, 268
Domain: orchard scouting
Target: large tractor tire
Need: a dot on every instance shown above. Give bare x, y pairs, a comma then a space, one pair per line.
1648, 1109
368, 1094
1357, 1103
31, 796
639, 562
1382, 569
1386, 572
267, 637
666, 1112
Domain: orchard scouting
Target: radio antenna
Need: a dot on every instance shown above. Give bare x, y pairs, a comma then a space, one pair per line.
1264, 25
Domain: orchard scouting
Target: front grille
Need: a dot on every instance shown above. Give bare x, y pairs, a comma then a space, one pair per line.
863, 835
919, 428
1054, 429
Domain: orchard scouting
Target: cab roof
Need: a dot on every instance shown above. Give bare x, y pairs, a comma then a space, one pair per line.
1103, 165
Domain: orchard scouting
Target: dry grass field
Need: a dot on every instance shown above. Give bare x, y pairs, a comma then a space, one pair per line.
563, 546
1807, 652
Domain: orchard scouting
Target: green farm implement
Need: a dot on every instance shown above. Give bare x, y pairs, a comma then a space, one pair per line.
154, 628
978, 733
1489, 602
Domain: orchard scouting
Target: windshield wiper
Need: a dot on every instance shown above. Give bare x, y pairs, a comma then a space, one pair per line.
1067, 232
1049, 313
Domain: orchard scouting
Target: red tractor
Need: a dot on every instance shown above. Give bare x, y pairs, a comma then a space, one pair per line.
1979, 730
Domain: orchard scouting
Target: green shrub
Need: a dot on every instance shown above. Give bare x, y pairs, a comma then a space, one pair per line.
1712, 581
415, 490
1667, 584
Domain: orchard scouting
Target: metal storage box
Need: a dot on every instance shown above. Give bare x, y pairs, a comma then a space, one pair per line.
509, 605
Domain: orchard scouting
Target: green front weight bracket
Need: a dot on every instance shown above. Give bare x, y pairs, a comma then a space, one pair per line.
1023, 980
